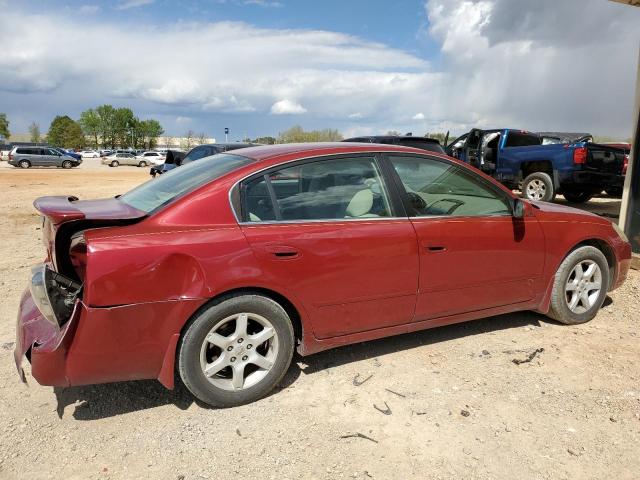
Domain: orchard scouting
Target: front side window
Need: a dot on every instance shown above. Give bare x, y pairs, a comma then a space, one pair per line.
343, 188
436, 188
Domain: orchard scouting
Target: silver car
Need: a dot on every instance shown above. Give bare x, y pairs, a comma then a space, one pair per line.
117, 159
26, 157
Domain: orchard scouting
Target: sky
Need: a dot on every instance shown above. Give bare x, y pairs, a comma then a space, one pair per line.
259, 67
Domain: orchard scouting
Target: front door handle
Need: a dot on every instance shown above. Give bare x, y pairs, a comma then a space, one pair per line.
282, 251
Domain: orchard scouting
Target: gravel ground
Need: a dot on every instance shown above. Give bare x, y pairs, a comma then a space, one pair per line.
457, 404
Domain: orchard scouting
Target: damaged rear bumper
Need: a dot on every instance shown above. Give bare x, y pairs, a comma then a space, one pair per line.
45, 344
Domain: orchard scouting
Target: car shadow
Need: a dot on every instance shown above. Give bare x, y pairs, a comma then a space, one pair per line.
94, 402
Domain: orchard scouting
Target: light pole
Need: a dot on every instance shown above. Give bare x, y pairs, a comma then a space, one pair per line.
226, 134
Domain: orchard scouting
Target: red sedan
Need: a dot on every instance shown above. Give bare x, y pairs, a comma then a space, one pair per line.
255, 253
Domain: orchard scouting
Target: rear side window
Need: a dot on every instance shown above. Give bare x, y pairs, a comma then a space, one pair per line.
28, 151
321, 190
158, 192
519, 139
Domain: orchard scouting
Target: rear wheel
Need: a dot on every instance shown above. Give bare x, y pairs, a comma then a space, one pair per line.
67, 164
24, 164
577, 196
580, 286
538, 186
236, 351
114, 163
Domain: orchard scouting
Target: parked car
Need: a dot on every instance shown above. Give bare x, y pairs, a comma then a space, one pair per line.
105, 152
153, 157
89, 154
518, 159
202, 151
172, 157
26, 157
70, 153
117, 159
257, 252
423, 143
5, 149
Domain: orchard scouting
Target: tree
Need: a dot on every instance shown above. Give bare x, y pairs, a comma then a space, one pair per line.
106, 115
188, 140
201, 139
90, 123
151, 130
298, 134
264, 140
440, 136
65, 132
4, 126
394, 133
34, 132
124, 122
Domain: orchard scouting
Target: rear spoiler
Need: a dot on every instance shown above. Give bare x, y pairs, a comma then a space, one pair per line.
58, 209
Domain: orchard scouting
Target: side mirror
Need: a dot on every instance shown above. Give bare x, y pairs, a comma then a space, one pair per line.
518, 208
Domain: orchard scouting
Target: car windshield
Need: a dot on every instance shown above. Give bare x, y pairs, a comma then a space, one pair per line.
155, 193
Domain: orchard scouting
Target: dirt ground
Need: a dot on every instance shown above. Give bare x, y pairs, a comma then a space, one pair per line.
459, 407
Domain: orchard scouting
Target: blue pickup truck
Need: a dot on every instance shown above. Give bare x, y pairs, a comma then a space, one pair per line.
519, 159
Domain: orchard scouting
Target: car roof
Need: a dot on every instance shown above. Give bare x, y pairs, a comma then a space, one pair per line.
269, 152
378, 138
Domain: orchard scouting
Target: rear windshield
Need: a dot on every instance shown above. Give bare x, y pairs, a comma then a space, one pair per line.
158, 192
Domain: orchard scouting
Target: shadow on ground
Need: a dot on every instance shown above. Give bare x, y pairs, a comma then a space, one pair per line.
102, 401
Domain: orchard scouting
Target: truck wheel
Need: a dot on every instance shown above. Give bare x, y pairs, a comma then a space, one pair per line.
538, 186
580, 286
577, 197
615, 192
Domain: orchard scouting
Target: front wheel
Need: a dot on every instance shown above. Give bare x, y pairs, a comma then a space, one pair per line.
577, 196
580, 286
67, 164
236, 351
142, 164
538, 186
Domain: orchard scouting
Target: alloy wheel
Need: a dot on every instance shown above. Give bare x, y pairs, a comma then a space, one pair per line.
239, 351
583, 286
536, 190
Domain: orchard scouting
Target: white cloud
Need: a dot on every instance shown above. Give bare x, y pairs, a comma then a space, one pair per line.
183, 120
498, 65
127, 4
263, 3
284, 107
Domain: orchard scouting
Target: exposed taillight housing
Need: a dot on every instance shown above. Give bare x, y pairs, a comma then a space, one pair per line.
625, 164
580, 155
78, 254
10, 156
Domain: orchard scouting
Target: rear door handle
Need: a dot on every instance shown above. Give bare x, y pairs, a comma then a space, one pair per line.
435, 248
282, 251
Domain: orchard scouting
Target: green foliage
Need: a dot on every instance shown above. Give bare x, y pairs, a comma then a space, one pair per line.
90, 123
298, 135
34, 132
65, 132
4, 126
263, 140
119, 127
394, 133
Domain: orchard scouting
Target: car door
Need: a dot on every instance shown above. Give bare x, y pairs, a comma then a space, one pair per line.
49, 157
474, 254
328, 231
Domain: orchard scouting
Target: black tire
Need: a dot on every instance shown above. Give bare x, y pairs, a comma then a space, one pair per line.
67, 164
114, 163
142, 164
615, 192
542, 184
24, 164
191, 342
577, 196
559, 309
